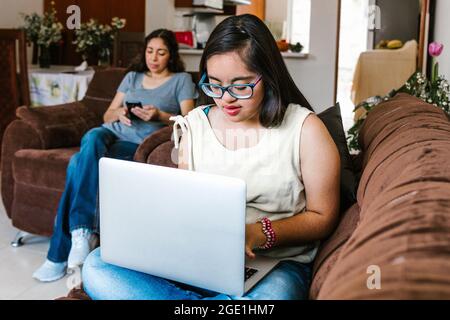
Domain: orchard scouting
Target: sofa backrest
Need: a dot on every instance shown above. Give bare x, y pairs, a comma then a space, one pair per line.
402, 239
102, 90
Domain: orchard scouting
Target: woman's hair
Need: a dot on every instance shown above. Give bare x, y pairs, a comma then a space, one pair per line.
251, 38
175, 62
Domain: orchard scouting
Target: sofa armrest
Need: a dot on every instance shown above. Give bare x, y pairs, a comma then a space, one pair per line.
157, 148
59, 126
18, 135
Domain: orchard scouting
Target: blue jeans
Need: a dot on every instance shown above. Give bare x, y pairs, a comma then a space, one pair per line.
78, 205
289, 280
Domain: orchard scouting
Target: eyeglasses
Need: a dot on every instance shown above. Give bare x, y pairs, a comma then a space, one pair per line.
238, 91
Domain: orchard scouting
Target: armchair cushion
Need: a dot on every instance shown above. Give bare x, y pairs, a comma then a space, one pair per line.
59, 126
42, 168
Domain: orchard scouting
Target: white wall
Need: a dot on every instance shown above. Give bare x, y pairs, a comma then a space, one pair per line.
10, 14
159, 14
10, 9
276, 10
442, 34
315, 76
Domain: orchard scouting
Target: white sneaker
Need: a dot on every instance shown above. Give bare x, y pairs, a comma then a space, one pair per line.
50, 271
83, 242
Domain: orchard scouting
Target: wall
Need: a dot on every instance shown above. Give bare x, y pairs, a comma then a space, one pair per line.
404, 26
442, 34
276, 10
159, 14
315, 76
10, 9
9, 14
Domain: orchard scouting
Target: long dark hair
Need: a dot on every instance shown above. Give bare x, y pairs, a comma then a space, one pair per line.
248, 35
175, 63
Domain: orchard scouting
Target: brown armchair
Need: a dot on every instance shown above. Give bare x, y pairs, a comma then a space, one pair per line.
37, 148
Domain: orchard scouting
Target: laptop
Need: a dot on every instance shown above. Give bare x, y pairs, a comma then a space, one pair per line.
180, 225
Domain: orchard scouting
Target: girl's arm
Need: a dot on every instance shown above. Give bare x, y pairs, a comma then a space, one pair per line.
320, 168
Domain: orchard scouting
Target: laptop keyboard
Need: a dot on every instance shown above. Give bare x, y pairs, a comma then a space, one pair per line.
249, 272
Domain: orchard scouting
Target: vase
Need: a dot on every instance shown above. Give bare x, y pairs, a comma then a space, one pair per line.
104, 58
44, 57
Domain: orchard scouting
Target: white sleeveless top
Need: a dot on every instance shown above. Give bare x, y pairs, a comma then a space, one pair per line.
271, 168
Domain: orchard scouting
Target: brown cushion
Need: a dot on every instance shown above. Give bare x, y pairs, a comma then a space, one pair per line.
164, 155
42, 168
59, 126
404, 195
330, 249
102, 90
408, 238
149, 145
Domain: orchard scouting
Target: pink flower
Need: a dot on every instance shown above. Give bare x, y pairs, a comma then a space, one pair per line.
435, 49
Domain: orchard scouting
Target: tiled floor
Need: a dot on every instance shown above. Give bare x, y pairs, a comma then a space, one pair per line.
18, 264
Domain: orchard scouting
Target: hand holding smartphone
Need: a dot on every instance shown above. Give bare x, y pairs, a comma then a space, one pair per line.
131, 105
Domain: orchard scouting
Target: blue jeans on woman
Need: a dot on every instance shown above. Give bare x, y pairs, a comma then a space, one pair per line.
78, 205
289, 280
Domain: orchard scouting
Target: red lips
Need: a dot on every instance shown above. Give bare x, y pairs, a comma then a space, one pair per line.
232, 110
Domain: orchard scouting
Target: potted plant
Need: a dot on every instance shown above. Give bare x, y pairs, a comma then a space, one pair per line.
94, 40
435, 91
43, 31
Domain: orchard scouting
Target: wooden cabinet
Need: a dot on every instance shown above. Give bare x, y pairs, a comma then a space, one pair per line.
101, 10
183, 3
257, 8
104, 11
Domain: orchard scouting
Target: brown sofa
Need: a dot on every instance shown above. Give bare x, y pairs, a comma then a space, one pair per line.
401, 222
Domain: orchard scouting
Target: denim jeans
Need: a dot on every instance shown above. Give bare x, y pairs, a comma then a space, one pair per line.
289, 280
78, 205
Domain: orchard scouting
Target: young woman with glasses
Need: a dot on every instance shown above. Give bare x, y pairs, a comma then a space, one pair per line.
257, 126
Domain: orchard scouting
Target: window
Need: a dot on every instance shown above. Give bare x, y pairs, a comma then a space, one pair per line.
298, 22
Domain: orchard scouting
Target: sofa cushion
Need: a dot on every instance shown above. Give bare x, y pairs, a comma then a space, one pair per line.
42, 168
404, 196
102, 90
398, 134
59, 126
407, 236
330, 249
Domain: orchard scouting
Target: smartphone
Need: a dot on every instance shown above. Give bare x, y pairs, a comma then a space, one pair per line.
131, 105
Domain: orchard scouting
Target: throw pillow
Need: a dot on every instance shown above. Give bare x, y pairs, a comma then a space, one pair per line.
333, 121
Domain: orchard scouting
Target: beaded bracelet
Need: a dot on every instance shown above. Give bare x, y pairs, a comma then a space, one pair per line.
269, 232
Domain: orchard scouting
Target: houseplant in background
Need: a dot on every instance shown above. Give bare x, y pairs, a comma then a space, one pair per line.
435, 91
43, 31
95, 40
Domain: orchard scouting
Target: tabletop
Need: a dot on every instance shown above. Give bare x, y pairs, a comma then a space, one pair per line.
57, 84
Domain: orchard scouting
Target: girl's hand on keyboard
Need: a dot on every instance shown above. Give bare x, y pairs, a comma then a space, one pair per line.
254, 238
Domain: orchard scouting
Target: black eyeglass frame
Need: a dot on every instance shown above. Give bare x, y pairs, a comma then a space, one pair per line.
203, 85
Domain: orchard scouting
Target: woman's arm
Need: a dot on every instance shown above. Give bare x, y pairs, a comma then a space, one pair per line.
151, 113
116, 110
320, 168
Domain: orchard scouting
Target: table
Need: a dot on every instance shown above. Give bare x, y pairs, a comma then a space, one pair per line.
378, 72
57, 85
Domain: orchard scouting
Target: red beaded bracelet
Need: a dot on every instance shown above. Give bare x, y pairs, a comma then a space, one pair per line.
269, 232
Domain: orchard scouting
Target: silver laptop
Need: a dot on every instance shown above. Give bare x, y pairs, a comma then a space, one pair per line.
176, 224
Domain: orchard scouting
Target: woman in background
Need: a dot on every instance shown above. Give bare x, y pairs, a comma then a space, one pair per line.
158, 82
